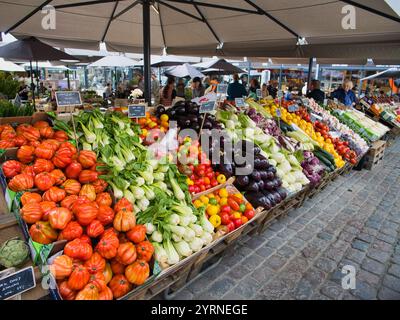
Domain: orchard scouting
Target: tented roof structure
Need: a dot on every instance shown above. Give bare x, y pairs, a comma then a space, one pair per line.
214, 27
113, 61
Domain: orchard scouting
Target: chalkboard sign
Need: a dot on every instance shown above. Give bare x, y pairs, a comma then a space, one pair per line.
137, 111
17, 283
259, 93
208, 106
240, 102
68, 98
222, 89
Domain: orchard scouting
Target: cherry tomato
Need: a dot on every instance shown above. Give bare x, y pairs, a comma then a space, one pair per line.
237, 222
231, 226
225, 218
249, 214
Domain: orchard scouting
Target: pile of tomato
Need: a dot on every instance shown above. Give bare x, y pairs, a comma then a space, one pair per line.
225, 211
151, 125
303, 113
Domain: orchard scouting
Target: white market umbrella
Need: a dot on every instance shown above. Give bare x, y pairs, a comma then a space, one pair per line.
47, 65
113, 61
183, 71
10, 67
163, 61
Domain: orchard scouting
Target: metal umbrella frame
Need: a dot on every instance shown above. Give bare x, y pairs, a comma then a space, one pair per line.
196, 13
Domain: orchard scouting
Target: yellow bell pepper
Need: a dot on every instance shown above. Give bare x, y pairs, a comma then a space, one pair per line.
215, 220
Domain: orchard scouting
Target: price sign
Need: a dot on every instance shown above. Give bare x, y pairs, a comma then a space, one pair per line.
222, 89
240, 102
365, 104
259, 93
137, 111
278, 112
293, 108
208, 106
280, 94
17, 283
68, 98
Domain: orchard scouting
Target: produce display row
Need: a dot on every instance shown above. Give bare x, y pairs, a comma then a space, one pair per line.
124, 212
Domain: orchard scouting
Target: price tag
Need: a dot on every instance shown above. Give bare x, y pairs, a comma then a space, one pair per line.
17, 283
305, 102
222, 89
208, 106
137, 111
240, 102
278, 112
325, 102
280, 94
259, 93
68, 98
293, 108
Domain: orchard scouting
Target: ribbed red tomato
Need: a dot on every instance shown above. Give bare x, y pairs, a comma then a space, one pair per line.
46, 132
59, 217
55, 194
71, 186
79, 277
88, 191
46, 207
65, 291
137, 234
25, 154
119, 286
61, 267
60, 135
21, 182
44, 181
117, 267
41, 124
69, 201
42, 232
104, 199
31, 212
73, 170
78, 249
95, 229
42, 165
43, 152
108, 246
105, 215
62, 157
123, 203
96, 263
137, 272
11, 168
126, 253
29, 197
145, 250
87, 158
31, 134
72, 231
58, 176
85, 213
100, 185
88, 176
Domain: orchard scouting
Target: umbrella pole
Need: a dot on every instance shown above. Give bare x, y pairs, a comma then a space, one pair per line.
68, 81
32, 84
310, 67
146, 51
37, 79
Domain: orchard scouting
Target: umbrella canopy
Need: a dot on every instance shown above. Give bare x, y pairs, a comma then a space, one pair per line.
219, 66
10, 67
114, 61
32, 49
46, 65
183, 71
387, 74
210, 27
164, 61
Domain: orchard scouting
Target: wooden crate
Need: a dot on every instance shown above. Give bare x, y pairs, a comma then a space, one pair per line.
375, 154
312, 191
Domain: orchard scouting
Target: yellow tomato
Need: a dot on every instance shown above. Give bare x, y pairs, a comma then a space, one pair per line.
223, 201
144, 132
189, 182
152, 125
237, 215
164, 124
164, 118
223, 193
238, 195
212, 210
204, 199
197, 204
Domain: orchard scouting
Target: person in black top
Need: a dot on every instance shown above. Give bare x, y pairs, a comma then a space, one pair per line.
315, 92
273, 88
254, 85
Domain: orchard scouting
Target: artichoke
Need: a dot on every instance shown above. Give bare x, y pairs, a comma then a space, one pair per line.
13, 253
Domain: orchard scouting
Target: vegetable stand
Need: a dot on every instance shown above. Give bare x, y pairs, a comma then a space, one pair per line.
123, 221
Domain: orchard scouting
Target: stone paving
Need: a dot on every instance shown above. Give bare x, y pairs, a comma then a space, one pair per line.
355, 222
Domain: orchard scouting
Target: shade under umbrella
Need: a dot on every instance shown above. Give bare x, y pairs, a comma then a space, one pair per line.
184, 71
32, 49
10, 67
114, 61
220, 66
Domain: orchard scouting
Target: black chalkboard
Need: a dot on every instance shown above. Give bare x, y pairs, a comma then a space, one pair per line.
137, 111
207, 106
68, 98
16, 283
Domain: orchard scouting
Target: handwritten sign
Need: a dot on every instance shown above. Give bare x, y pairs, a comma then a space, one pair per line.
208, 106
17, 283
137, 111
293, 108
239, 102
259, 93
68, 98
222, 89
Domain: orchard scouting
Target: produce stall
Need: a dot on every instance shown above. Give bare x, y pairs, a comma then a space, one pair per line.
118, 208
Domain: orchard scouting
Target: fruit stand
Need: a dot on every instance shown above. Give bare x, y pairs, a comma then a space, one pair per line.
119, 208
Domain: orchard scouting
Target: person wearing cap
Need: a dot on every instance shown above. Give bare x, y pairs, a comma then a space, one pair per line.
197, 88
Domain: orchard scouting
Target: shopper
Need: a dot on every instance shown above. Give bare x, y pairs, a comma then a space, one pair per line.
315, 92
273, 88
197, 88
236, 89
264, 90
213, 86
180, 88
23, 92
168, 93
155, 89
254, 85
108, 91
345, 94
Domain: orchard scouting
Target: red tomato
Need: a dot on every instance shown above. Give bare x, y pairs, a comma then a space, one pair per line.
226, 208
214, 182
192, 189
210, 175
202, 187
237, 222
249, 214
201, 173
231, 225
225, 220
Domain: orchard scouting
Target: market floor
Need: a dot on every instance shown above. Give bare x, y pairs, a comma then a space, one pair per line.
355, 221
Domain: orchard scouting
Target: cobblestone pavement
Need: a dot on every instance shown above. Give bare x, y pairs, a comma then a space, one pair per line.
354, 221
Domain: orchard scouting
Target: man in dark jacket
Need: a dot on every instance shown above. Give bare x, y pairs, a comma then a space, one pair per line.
345, 94
315, 92
236, 89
